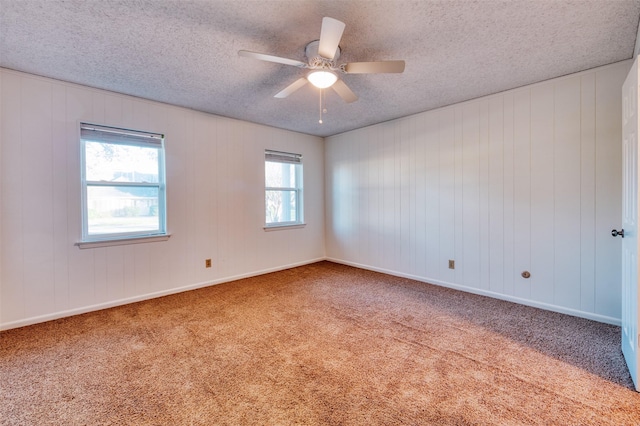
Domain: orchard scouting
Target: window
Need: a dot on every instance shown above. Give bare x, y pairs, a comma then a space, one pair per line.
123, 183
283, 189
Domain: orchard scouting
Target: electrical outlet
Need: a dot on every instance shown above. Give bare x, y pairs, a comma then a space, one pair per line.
452, 264
207, 263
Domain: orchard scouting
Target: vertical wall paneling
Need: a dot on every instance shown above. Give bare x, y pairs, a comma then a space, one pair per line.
129, 270
543, 158
36, 196
587, 192
389, 205
375, 197
446, 230
237, 196
470, 202
346, 202
496, 195
367, 195
180, 148
508, 200
429, 190
410, 134
432, 187
330, 195
202, 199
420, 168
567, 192
337, 194
334, 200
483, 192
59, 157
336, 197
525, 180
220, 192
215, 202
100, 274
115, 273
522, 192
458, 171
255, 213
398, 193
12, 300
357, 200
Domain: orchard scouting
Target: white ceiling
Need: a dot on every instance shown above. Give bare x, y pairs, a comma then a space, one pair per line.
185, 52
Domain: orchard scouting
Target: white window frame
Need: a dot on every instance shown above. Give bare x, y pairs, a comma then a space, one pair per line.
114, 135
287, 158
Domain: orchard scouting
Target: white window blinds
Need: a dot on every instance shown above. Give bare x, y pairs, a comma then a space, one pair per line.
282, 157
119, 136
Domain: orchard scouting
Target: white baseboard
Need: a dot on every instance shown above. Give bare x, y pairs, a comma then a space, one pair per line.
481, 292
153, 295
91, 308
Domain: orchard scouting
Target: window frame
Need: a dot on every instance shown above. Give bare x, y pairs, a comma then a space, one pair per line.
281, 157
126, 137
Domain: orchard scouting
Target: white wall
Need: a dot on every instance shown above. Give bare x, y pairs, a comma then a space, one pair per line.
528, 179
215, 183
523, 180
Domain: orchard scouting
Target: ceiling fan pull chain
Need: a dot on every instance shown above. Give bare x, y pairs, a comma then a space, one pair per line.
320, 121
324, 103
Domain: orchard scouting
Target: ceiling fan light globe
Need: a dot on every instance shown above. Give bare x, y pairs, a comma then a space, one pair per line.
322, 79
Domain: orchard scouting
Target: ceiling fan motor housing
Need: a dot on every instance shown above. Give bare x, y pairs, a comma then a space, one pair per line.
318, 62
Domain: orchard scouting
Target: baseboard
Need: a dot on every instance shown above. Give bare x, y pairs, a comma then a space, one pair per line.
481, 292
85, 309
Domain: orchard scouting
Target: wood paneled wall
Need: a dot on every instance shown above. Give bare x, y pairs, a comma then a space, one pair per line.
215, 192
525, 180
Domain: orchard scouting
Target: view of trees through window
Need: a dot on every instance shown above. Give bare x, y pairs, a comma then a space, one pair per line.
282, 192
122, 194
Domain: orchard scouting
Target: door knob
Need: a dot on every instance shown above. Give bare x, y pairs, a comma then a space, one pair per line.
615, 233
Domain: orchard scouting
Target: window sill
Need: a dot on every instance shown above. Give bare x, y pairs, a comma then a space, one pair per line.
283, 227
121, 241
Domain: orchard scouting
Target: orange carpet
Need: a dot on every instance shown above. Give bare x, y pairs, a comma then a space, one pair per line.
318, 344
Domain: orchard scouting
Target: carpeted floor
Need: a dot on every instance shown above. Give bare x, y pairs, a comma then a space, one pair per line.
318, 344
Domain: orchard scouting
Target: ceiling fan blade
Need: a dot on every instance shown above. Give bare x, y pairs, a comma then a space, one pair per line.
271, 58
330, 36
345, 93
374, 67
291, 88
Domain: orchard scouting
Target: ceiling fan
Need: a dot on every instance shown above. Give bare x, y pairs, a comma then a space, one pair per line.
321, 61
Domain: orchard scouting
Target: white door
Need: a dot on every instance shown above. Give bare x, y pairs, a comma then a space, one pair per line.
630, 223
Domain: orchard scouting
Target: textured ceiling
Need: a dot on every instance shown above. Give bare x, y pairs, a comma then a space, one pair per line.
186, 52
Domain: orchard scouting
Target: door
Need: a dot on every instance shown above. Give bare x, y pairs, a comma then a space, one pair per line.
630, 222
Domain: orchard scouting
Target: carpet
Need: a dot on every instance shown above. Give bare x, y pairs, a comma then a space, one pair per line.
321, 344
